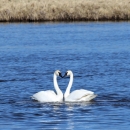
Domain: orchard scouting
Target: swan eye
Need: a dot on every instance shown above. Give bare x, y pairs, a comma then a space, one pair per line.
66, 73
60, 74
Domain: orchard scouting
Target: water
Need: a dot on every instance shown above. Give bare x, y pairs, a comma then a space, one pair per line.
98, 53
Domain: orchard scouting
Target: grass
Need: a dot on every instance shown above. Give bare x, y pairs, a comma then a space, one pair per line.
64, 10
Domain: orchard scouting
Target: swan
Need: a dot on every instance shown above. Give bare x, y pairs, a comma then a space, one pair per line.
49, 95
77, 95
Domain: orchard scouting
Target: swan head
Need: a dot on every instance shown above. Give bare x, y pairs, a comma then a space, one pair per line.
58, 73
68, 73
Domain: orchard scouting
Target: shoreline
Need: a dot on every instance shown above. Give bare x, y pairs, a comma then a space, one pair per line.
64, 11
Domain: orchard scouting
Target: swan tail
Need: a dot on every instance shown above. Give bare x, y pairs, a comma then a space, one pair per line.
88, 97
91, 97
32, 97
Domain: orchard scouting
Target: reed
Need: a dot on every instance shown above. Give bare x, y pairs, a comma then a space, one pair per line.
64, 10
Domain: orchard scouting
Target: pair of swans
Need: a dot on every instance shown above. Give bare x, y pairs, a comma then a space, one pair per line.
75, 96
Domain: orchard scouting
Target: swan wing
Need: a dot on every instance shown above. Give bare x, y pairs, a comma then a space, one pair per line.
45, 96
50, 92
79, 95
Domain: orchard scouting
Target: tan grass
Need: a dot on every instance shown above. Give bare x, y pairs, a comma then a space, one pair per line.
64, 10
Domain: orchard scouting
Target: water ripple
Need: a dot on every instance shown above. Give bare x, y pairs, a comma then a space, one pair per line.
97, 53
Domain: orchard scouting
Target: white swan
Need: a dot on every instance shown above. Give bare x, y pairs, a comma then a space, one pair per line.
77, 95
49, 95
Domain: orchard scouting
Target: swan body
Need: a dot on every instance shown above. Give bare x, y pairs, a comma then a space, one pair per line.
77, 95
49, 95
80, 95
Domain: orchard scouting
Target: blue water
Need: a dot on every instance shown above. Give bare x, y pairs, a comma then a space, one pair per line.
98, 53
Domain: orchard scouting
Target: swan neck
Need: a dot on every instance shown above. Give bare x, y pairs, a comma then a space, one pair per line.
58, 91
67, 92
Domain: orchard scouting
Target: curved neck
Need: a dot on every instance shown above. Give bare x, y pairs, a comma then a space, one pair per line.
67, 92
58, 91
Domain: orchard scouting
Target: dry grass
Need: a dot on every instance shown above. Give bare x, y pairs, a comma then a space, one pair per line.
64, 10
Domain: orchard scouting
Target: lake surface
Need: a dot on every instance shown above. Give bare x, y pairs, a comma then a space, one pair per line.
98, 53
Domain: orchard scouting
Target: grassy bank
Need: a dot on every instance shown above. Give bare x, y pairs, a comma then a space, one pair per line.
64, 10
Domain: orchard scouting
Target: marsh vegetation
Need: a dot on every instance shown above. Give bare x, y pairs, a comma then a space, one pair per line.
64, 10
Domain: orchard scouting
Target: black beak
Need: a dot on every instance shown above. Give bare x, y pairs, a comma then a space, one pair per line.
60, 75
65, 75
